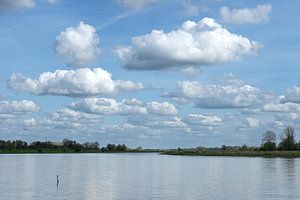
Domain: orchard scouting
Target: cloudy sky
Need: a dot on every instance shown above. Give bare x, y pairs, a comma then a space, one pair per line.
151, 73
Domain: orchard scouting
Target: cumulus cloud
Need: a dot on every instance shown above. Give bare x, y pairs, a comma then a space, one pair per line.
158, 122
194, 44
293, 95
281, 107
75, 83
18, 107
231, 93
252, 122
190, 8
137, 4
203, 120
246, 15
30, 122
78, 46
16, 4
164, 108
107, 106
70, 115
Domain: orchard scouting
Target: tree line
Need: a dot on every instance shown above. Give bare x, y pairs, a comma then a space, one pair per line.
66, 145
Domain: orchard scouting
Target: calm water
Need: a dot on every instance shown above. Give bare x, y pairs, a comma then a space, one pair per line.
147, 176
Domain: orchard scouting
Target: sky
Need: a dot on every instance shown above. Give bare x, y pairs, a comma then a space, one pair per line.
150, 73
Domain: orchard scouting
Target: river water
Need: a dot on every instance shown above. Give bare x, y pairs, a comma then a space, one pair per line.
147, 176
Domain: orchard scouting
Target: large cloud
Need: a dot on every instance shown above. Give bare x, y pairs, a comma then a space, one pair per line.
231, 93
246, 15
75, 83
137, 4
78, 45
194, 44
107, 106
15, 4
18, 107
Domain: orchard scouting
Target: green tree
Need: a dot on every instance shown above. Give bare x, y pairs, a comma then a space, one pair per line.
268, 141
288, 139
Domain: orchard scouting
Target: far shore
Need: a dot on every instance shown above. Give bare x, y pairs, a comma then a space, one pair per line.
266, 154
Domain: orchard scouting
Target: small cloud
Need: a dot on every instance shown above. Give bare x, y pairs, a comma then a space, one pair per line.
190, 8
246, 15
78, 46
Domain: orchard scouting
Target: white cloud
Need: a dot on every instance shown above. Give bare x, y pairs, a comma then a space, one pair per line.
293, 94
252, 122
137, 4
194, 44
75, 83
121, 85
281, 107
70, 115
78, 45
18, 107
190, 8
16, 4
159, 122
246, 15
30, 122
231, 93
203, 120
108, 106
164, 108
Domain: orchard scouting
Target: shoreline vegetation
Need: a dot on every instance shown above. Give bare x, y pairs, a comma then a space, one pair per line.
66, 146
286, 148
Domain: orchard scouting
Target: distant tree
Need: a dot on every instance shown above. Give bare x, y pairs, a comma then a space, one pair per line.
223, 147
288, 139
244, 148
94, 145
139, 148
111, 147
268, 141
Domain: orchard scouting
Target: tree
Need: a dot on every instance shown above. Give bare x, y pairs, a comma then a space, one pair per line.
268, 141
288, 139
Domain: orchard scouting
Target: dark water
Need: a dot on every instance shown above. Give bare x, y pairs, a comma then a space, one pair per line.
147, 176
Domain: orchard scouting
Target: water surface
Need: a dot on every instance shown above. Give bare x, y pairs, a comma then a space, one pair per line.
147, 176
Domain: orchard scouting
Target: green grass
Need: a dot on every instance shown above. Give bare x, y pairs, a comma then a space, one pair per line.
268, 154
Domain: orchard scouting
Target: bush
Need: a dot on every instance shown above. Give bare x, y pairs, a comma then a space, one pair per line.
268, 146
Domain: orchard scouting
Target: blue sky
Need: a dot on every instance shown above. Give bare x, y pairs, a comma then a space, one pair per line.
151, 73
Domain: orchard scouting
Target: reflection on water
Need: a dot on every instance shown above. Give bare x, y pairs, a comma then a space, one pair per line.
146, 176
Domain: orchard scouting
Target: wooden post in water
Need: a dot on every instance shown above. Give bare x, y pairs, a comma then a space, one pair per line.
57, 180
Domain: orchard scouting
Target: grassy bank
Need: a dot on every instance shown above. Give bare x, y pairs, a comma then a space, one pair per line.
268, 154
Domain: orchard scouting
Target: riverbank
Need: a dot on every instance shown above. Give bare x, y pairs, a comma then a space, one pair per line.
62, 151
267, 154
